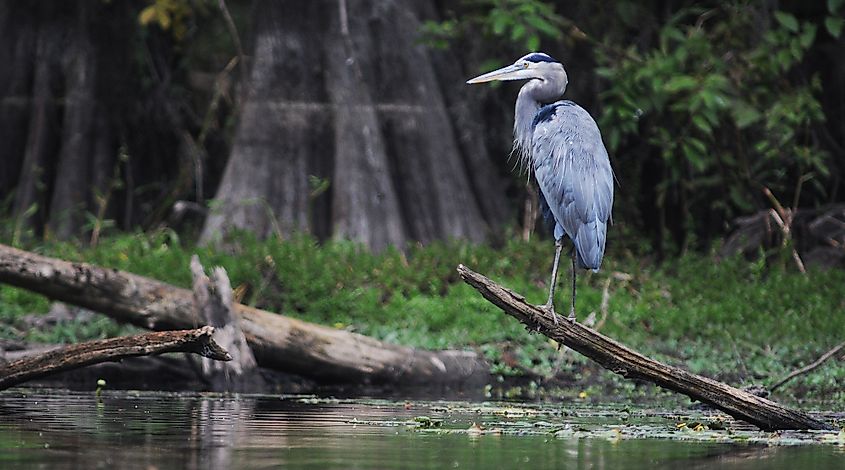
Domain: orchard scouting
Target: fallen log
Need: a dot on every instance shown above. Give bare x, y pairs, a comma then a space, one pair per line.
197, 341
617, 358
278, 342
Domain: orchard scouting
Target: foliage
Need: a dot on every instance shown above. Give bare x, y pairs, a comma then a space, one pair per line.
169, 15
716, 103
735, 321
523, 22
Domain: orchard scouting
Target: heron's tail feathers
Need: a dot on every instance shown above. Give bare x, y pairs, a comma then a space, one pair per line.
589, 244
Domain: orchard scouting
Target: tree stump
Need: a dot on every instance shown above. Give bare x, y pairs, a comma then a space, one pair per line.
213, 306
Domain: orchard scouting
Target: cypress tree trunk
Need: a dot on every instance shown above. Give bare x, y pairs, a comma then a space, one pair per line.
29, 119
72, 188
61, 147
344, 91
283, 127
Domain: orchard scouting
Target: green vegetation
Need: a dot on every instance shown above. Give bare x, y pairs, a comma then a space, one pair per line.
733, 320
714, 101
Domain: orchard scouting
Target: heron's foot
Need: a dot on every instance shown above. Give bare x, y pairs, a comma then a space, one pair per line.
550, 308
571, 316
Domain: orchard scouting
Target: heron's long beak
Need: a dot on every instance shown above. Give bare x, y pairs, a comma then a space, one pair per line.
511, 72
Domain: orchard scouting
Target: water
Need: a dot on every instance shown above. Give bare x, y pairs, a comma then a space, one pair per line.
61, 429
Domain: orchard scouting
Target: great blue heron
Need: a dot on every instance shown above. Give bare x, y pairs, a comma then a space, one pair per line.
563, 145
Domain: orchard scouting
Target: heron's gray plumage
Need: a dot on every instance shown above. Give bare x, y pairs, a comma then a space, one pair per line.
563, 145
573, 171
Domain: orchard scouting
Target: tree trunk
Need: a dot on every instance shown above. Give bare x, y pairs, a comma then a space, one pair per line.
72, 187
344, 91
364, 200
18, 36
60, 148
283, 130
78, 81
278, 342
30, 116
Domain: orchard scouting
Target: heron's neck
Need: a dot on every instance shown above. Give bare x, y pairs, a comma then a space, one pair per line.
532, 96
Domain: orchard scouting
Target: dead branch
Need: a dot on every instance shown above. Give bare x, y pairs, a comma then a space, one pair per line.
197, 341
630, 364
808, 368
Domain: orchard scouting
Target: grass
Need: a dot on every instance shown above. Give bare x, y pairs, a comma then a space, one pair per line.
736, 321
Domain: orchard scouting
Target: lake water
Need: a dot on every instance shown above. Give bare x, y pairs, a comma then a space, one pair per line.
61, 429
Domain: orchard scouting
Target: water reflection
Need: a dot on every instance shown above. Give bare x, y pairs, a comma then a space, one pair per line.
43, 429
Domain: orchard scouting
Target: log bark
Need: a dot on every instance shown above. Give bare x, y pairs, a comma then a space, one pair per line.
278, 342
197, 341
630, 364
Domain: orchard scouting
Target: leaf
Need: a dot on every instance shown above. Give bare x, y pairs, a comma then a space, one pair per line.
787, 20
163, 19
605, 72
833, 5
693, 156
517, 32
809, 35
147, 15
745, 115
834, 26
698, 145
676, 84
499, 20
533, 42
32, 209
540, 24
702, 124
739, 198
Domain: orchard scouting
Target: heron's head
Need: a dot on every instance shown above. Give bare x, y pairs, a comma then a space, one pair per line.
536, 65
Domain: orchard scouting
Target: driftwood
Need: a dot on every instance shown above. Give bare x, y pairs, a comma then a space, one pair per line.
617, 358
278, 342
197, 341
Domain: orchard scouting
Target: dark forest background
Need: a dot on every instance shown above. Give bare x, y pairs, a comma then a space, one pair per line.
351, 119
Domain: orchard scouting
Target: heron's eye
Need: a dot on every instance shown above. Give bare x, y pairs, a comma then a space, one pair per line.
525, 65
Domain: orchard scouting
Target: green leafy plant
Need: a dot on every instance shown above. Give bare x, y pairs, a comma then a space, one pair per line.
520, 22
717, 108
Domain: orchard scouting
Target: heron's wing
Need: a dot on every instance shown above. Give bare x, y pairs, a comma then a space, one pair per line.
574, 174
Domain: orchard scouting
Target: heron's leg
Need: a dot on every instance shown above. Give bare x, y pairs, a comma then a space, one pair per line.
550, 303
572, 308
